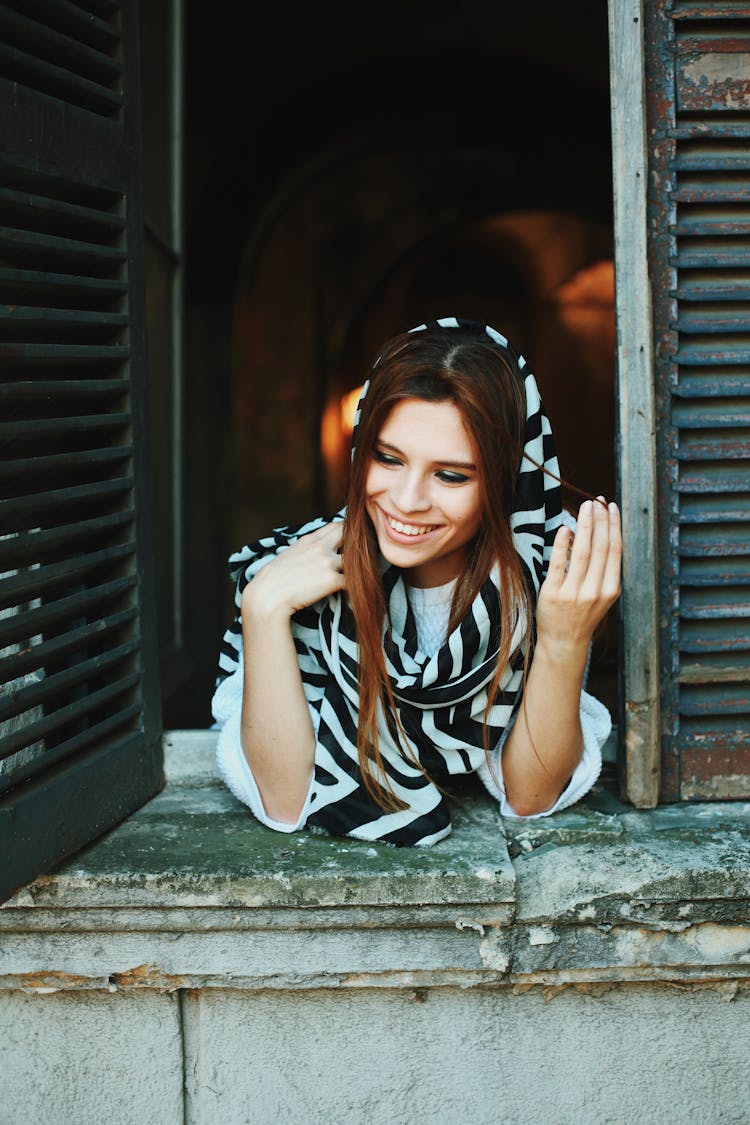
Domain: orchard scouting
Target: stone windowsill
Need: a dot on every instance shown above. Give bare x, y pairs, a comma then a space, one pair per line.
192, 892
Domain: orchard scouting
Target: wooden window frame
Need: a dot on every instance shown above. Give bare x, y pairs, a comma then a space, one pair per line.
636, 444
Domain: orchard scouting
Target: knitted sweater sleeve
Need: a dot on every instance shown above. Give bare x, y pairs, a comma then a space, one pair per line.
231, 764
596, 724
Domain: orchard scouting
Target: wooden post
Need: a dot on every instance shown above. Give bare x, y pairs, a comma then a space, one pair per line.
635, 392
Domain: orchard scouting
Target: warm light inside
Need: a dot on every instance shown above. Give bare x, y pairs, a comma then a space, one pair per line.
336, 428
349, 409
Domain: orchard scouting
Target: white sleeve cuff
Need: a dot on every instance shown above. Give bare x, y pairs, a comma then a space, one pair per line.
596, 724
231, 763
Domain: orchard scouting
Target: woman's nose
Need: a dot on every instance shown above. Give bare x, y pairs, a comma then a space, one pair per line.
410, 494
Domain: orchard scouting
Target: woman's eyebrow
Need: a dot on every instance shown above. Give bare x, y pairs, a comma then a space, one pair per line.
446, 464
456, 464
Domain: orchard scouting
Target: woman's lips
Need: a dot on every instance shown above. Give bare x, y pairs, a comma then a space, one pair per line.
413, 532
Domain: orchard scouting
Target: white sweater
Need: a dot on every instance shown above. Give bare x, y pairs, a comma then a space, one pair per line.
431, 608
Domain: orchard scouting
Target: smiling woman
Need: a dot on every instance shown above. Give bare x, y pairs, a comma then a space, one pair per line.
425, 512
439, 625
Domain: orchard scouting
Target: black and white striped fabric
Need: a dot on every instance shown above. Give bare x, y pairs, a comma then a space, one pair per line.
441, 699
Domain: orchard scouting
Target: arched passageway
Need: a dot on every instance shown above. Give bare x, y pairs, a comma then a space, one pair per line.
367, 197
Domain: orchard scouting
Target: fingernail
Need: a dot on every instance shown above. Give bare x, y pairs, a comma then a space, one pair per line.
612, 506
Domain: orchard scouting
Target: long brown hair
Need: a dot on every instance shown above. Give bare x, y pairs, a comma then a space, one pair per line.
464, 367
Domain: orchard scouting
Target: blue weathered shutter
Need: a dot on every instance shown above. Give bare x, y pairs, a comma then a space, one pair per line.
79, 693
698, 83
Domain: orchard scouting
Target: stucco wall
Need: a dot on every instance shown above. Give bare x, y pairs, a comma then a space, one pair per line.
90, 1059
596, 1054
191, 966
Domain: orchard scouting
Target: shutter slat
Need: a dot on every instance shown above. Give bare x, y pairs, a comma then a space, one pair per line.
699, 128
43, 546
713, 445
710, 10
18, 356
70, 18
705, 477
710, 161
37, 322
724, 668
33, 622
34, 35
712, 383
107, 9
123, 717
718, 700
57, 287
714, 539
726, 601
64, 391
18, 244
39, 655
711, 287
53, 464
707, 734
709, 414
708, 571
716, 320
701, 225
711, 258
55, 80
709, 353
716, 191
715, 636
24, 699
720, 507
29, 584
79, 709
707, 39
61, 426
44, 212
50, 508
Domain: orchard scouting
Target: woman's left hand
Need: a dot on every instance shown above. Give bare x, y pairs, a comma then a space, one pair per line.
583, 579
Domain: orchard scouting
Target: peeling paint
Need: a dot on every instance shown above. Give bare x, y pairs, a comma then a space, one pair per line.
142, 975
707, 944
715, 77
470, 924
494, 951
542, 935
485, 873
48, 981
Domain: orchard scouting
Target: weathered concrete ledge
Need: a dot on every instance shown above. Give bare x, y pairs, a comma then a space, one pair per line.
191, 892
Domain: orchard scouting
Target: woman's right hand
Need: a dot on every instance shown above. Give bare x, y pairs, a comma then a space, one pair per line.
302, 574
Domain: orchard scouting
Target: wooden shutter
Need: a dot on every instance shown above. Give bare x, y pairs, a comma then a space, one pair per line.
79, 704
698, 83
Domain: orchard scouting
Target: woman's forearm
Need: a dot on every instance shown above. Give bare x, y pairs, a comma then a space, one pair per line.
546, 742
276, 731
582, 583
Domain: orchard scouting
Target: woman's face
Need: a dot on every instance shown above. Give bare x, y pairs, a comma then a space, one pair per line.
422, 491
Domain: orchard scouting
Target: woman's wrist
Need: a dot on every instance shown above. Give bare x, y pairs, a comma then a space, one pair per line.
263, 602
569, 653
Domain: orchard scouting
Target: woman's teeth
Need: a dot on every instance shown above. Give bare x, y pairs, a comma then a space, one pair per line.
409, 528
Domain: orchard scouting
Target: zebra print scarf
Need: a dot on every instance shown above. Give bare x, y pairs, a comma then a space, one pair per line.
441, 700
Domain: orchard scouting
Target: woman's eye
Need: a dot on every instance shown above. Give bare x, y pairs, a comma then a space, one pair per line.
385, 458
450, 477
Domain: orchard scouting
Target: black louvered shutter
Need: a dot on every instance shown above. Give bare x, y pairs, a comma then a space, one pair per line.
698, 82
79, 697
